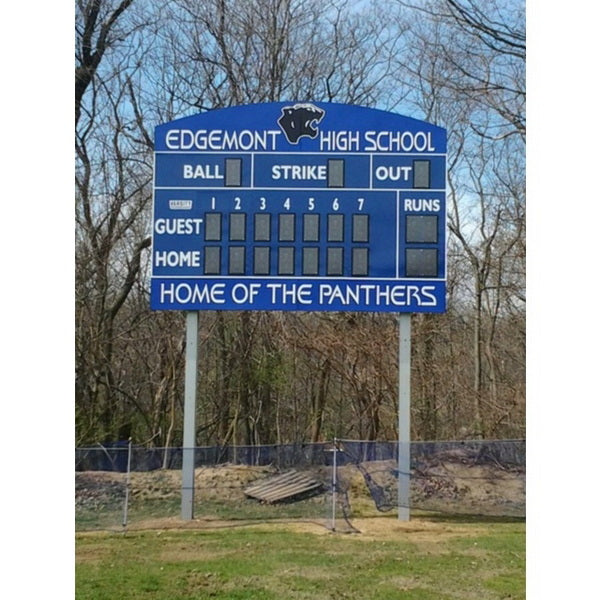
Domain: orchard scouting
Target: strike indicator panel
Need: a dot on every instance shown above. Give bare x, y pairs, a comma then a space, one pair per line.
290, 206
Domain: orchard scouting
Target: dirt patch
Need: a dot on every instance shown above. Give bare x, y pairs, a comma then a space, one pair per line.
419, 530
364, 491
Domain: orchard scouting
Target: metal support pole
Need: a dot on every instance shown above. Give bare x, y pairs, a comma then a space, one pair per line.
127, 483
189, 416
404, 417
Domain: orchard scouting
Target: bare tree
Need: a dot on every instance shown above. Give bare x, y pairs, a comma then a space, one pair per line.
97, 30
112, 195
479, 49
273, 377
465, 68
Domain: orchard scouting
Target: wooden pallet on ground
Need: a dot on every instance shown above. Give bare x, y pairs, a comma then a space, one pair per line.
282, 487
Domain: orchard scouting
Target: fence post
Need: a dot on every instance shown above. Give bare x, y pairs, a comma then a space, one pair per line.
127, 479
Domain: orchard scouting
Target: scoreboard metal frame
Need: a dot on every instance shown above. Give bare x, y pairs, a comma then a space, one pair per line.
299, 206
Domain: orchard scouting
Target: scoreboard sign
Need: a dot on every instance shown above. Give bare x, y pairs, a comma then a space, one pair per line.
299, 206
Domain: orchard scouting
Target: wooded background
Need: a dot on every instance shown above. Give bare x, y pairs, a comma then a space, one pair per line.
288, 377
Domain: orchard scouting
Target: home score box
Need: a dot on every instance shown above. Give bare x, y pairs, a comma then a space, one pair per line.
299, 206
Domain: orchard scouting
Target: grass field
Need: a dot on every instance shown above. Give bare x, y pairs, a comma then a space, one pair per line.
427, 558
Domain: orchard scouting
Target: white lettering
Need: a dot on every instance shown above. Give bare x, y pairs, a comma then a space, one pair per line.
242, 293
422, 205
422, 141
202, 172
184, 293
371, 143
331, 141
398, 141
177, 226
413, 292
376, 295
393, 173
290, 293
303, 172
177, 258
218, 139
426, 291
171, 139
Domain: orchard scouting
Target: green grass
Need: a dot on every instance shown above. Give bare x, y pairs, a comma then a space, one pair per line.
111, 516
423, 560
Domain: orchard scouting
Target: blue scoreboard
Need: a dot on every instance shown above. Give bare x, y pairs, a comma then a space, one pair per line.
299, 206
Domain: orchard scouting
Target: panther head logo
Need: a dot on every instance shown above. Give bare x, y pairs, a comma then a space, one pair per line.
299, 120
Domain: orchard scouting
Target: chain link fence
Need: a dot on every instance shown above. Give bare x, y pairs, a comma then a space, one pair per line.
126, 486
